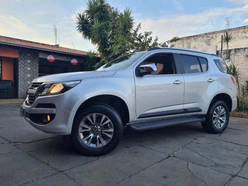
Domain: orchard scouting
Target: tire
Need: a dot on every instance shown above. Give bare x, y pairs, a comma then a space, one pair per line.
215, 124
92, 140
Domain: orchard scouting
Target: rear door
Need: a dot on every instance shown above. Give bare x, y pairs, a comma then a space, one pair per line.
197, 81
159, 93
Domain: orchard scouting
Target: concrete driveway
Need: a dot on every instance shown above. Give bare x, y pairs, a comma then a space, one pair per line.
181, 155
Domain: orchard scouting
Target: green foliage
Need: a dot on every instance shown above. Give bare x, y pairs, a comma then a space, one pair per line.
233, 70
112, 31
174, 39
243, 99
243, 103
91, 61
96, 24
143, 41
243, 91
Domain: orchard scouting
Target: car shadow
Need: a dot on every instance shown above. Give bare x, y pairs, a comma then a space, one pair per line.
62, 145
169, 131
132, 137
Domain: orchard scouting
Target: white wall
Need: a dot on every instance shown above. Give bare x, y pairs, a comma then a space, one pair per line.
211, 42
239, 57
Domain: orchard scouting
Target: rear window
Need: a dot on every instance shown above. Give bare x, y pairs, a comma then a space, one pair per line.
191, 64
220, 64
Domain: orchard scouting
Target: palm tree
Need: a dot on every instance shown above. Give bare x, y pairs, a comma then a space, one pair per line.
227, 39
112, 31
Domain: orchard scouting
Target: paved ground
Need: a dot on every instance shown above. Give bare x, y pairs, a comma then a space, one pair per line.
10, 101
182, 155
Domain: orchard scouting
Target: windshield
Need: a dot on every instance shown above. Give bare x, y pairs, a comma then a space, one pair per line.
120, 62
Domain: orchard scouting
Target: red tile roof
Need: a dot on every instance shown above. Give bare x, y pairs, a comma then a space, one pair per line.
40, 46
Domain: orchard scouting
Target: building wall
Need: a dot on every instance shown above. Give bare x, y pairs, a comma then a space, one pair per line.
28, 69
238, 57
9, 52
26, 63
211, 42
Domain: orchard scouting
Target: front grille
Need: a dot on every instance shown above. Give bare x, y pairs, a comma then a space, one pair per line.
32, 93
35, 85
31, 99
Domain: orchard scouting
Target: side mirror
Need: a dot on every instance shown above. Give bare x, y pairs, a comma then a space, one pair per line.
146, 69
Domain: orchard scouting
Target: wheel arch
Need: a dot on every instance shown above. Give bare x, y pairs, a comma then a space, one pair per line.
114, 101
223, 97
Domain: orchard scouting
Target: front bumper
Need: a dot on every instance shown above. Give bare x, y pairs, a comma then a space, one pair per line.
61, 113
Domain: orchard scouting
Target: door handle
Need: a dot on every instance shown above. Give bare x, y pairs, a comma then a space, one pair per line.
210, 80
177, 82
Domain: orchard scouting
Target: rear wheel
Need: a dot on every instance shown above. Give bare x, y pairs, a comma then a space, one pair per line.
97, 130
217, 118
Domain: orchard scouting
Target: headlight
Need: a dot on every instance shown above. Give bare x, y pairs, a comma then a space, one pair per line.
57, 88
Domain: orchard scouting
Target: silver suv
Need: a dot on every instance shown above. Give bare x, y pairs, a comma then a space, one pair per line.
133, 91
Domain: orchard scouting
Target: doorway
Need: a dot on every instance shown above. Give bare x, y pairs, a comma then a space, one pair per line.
8, 78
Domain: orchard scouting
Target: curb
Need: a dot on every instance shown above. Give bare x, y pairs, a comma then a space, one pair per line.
239, 115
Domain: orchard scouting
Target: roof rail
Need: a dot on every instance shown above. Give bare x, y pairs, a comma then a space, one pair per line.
181, 49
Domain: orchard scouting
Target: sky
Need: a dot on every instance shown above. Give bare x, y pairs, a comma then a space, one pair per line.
35, 19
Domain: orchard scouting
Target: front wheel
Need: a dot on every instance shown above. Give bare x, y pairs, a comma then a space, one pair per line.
97, 130
217, 118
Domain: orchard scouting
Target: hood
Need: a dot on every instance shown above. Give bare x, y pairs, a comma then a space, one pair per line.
73, 76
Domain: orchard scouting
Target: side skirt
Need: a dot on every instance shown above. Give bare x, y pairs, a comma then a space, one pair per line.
170, 112
161, 123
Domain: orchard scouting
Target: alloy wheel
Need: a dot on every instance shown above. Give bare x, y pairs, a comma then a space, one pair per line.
96, 130
219, 116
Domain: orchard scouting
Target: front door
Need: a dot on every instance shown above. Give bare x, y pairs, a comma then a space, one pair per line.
159, 92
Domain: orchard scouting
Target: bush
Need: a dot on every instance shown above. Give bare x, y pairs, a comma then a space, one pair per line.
243, 104
243, 99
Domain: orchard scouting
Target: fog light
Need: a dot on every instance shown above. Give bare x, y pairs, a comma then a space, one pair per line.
46, 118
42, 119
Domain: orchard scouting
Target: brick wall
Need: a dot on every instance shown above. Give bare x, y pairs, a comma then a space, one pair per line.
28, 69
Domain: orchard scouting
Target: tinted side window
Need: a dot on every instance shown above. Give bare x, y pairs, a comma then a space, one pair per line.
190, 64
164, 64
204, 64
220, 65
